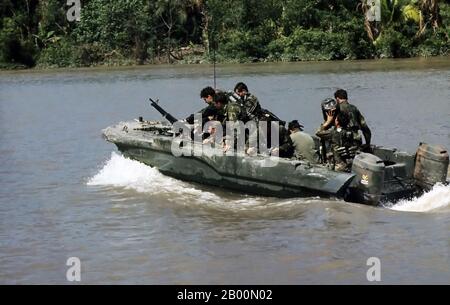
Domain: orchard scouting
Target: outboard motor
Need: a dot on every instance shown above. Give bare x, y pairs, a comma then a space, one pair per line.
368, 183
431, 165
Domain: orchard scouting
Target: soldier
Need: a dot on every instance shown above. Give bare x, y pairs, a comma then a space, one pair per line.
251, 111
329, 108
303, 142
207, 94
329, 111
227, 111
247, 101
357, 121
343, 145
285, 149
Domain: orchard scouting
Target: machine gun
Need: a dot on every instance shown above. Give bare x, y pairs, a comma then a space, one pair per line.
171, 118
164, 113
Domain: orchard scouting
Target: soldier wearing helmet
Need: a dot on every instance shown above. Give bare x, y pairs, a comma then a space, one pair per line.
357, 121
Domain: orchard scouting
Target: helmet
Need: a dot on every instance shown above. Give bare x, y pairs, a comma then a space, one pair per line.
329, 104
295, 124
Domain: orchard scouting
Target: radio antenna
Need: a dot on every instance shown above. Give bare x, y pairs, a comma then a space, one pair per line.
214, 62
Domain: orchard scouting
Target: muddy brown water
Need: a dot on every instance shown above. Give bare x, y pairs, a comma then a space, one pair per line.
65, 192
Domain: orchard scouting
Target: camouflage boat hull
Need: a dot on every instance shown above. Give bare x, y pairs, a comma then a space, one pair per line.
151, 144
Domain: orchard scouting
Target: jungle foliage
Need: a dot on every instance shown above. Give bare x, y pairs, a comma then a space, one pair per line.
37, 32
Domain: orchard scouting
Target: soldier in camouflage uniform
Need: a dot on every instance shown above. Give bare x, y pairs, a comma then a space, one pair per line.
250, 107
342, 143
357, 121
227, 111
207, 94
250, 111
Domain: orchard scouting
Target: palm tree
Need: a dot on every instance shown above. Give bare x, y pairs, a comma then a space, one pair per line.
390, 13
430, 13
421, 12
371, 26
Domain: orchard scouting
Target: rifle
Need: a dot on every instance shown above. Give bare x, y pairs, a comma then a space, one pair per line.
164, 113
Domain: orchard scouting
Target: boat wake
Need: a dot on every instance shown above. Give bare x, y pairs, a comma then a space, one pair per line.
437, 199
121, 172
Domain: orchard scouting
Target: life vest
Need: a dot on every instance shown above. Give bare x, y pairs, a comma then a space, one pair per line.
347, 145
249, 104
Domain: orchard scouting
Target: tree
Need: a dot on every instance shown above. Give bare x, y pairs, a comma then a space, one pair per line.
430, 14
18, 25
420, 12
172, 13
119, 26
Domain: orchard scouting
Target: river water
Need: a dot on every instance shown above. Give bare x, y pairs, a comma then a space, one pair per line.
65, 192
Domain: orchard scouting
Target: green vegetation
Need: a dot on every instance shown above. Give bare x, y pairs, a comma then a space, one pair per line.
37, 33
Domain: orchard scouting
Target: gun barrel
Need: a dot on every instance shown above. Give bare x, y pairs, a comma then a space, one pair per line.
164, 113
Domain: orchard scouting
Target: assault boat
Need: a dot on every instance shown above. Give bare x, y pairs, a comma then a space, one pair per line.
386, 174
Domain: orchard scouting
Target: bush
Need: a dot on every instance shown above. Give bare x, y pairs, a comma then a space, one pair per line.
357, 41
64, 53
434, 44
276, 49
61, 53
92, 53
241, 46
135, 31
124, 26
311, 45
12, 50
392, 43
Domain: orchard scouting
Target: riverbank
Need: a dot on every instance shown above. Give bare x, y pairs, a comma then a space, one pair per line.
195, 57
230, 31
335, 66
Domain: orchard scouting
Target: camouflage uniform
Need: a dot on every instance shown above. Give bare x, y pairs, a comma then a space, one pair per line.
342, 145
206, 112
249, 105
230, 112
357, 122
251, 111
